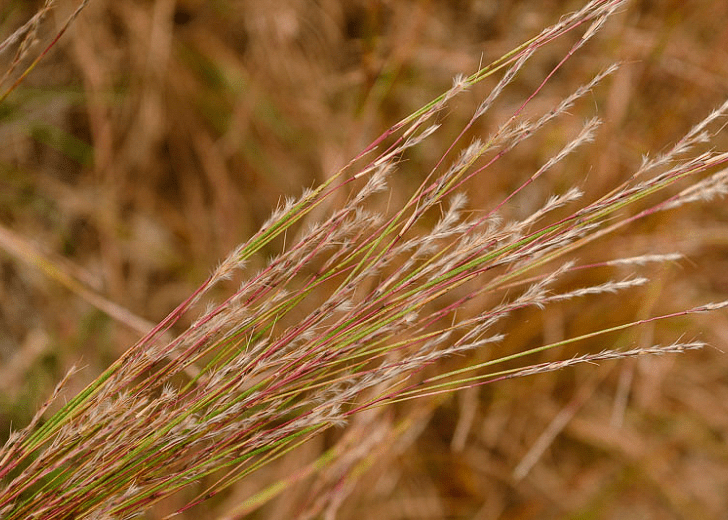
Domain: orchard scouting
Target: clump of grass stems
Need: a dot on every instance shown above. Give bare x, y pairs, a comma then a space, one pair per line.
356, 312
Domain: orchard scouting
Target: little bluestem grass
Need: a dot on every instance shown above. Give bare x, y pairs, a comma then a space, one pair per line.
358, 311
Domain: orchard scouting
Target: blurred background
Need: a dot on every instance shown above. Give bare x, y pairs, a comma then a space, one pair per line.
157, 135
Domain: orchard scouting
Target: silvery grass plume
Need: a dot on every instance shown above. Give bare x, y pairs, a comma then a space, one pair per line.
351, 315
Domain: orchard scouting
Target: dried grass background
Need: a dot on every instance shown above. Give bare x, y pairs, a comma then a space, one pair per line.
158, 135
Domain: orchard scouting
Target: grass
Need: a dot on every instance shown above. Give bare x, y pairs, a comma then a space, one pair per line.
361, 299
